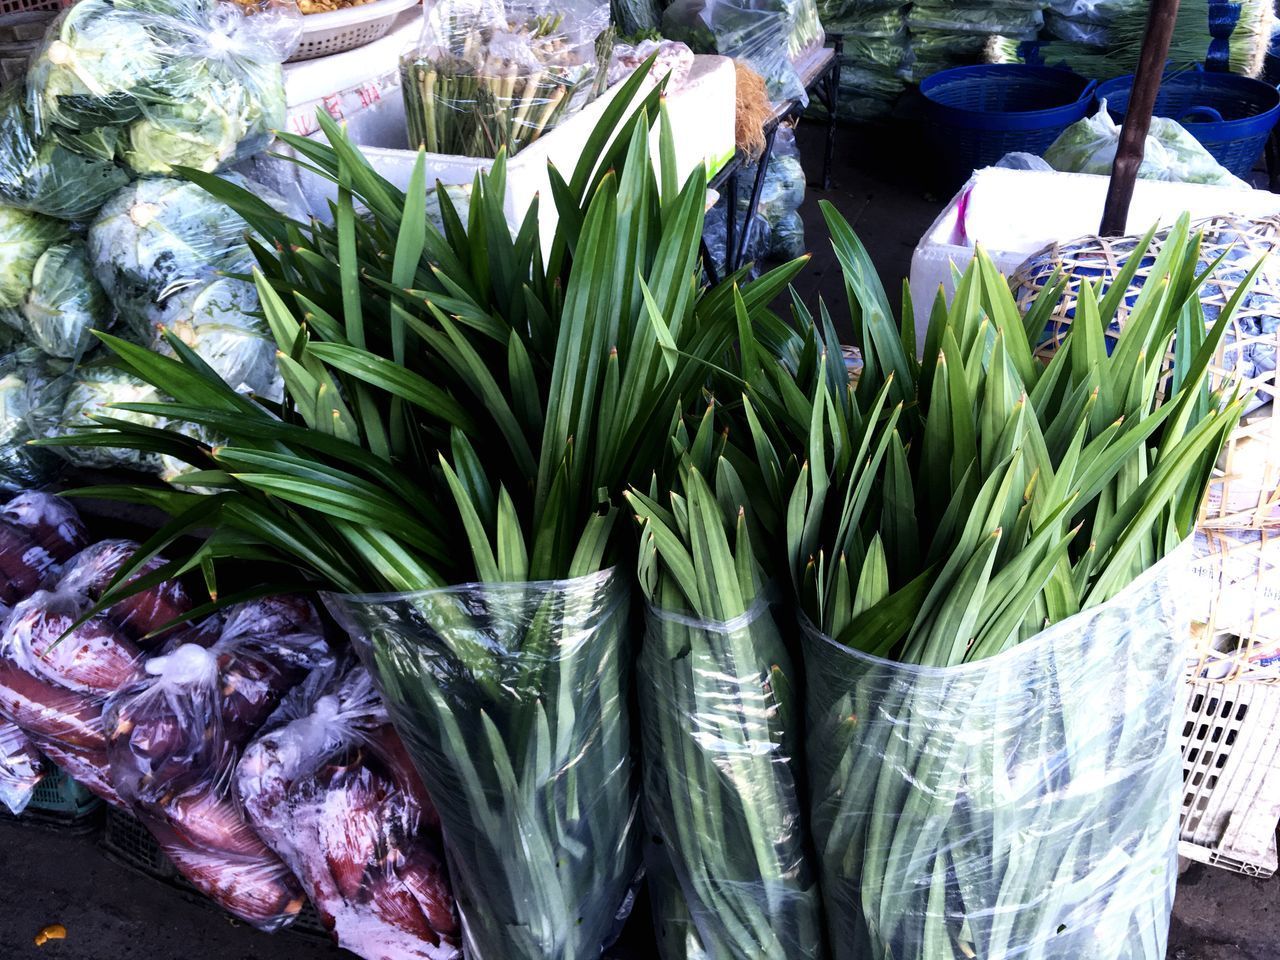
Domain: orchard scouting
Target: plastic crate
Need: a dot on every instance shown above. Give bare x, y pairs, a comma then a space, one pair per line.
1231, 116
30, 6
975, 115
127, 841
1231, 776
62, 804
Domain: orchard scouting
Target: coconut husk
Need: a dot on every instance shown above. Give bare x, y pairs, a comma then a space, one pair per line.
753, 111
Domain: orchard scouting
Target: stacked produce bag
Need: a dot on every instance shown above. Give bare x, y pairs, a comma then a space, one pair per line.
946, 34
1101, 38
496, 77
116, 91
873, 64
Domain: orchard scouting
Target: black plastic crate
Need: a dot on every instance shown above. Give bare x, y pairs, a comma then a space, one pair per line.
127, 841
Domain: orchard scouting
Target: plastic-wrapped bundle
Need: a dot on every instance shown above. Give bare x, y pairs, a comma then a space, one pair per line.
174, 738
92, 391
512, 701
943, 34
32, 393
21, 768
1171, 153
53, 686
42, 174
91, 571
718, 723
674, 61
329, 787
781, 196
23, 237
1052, 768
715, 235
488, 77
767, 36
49, 520
65, 303
196, 82
633, 17
157, 238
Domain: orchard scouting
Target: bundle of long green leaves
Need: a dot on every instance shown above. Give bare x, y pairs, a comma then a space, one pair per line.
989, 496
462, 410
720, 726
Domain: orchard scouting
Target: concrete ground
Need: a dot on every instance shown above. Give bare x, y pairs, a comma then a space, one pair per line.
113, 913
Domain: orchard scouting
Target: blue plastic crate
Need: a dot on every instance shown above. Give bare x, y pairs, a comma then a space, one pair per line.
1232, 116
975, 115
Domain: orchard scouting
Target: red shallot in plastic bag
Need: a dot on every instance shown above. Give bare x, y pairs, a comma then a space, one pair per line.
175, 736
330, 788
91, 571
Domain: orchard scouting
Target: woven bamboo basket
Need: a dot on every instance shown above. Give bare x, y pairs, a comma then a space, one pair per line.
1245, 492
1236, 605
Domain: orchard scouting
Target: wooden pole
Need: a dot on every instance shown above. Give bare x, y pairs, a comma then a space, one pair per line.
1137, 119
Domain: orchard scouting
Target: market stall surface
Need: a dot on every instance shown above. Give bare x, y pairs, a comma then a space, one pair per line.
112, 913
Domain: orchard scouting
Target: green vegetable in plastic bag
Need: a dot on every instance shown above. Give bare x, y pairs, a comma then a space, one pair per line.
93, 392
65, 303
48, 174
23, 237
1172, 154
31, 397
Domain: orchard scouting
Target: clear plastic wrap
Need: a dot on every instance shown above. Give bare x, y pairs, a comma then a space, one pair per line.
23, 237
32, 393
329, 787
674, 61
44, 174
1023, 806
49, 520
488, 76
53, 686
91, 392
21, 768
91, 571
769, 36
195, 83
512, 702
720, 733
173, 740
1171, 153
65, 303
781, 195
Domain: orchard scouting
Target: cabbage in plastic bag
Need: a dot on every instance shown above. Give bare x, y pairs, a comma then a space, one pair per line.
156, 238
42, 174
23, 238
32, 393
1172, 154
65, 303
93, 390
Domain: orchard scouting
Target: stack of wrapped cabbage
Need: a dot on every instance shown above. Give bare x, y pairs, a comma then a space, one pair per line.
121, 89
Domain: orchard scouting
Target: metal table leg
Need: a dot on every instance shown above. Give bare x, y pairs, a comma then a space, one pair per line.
831, 83
757, 187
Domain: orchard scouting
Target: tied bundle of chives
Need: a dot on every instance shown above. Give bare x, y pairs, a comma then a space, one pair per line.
451, 388
719, 725
974, 796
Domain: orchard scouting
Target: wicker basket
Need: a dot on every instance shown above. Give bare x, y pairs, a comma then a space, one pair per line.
1245, 491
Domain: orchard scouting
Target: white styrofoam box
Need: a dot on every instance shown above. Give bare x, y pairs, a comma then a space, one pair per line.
346, 84
702, 120
1012, 214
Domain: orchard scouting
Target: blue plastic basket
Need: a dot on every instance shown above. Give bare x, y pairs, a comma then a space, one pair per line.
1232, 116
975, 115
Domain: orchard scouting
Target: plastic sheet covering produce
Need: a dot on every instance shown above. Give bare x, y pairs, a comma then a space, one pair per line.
173, 740
512, 701
1051, 769
720, 733
65, 303
23, 237
32, 393
781, 195
195, 83
767, 35
143, 613
1089, 146
92, 392
488, 76
674, 61
636, 17
21, 768
49, 520
330, 788
676, 936
57, 175
53, 686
